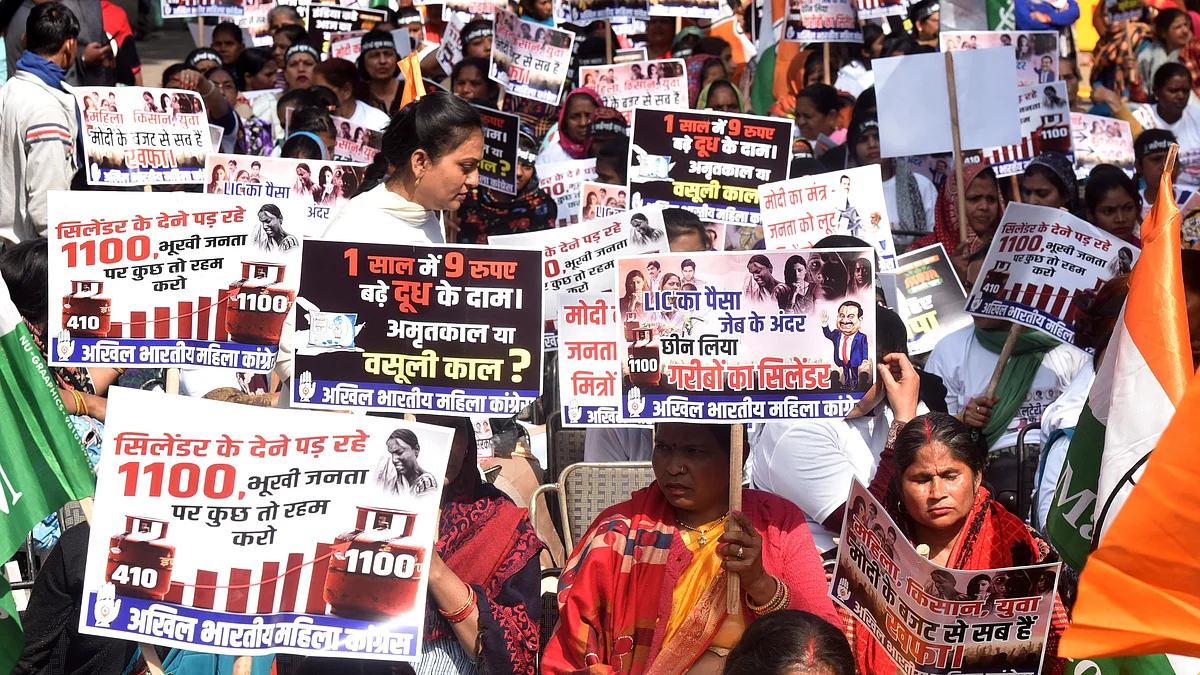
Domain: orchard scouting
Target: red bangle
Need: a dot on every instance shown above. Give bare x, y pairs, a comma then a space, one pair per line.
461, 615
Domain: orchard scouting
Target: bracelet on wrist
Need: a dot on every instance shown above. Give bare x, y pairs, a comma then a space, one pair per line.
763, 608
461, 614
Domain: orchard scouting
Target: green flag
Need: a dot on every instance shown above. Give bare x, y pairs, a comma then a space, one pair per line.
1069, 523
42, 462
1001, 15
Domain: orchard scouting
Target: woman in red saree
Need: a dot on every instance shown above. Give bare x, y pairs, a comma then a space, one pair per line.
938, 499
645, 589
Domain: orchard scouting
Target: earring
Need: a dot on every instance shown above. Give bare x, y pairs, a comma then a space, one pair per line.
418, 183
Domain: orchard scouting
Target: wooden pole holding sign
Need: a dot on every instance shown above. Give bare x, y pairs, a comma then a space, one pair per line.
1005, 354
608, 49
734, 605
200, 33
952, 88
825, 59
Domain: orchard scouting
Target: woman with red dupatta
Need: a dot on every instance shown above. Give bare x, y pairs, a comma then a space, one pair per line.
645, 589
484, 598
985, 208
938, 499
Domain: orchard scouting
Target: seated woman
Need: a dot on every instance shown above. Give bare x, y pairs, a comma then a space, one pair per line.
645, 588
985, 206
938, 500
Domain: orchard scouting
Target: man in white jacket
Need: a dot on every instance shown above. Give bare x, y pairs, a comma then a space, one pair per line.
38, 124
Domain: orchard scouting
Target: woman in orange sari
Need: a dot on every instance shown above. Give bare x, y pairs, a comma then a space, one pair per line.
644, 591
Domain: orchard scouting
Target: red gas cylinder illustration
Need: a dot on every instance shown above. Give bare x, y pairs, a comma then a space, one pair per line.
85, 312
377, 576
140, 559
257, 309
994, 281
645, 359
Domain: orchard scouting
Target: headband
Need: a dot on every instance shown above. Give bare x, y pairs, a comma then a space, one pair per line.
925, 12
301, 48
378, 43
527, 157
204, 55
317, 139
864, 125
476, 33
609, 126
1162, 145
408, 19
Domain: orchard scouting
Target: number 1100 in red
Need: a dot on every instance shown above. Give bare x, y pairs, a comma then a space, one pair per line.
183, 479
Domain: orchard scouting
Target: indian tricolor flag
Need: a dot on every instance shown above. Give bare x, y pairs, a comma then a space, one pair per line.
42, 463
1139, 388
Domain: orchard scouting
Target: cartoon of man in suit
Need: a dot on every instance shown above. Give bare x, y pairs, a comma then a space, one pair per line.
849, 345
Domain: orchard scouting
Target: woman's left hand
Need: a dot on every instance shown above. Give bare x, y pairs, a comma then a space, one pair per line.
742, 553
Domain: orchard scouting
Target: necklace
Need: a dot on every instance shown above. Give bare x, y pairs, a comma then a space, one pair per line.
703, 538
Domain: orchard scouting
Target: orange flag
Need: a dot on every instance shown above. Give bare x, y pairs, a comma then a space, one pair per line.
1140, 592
414, 86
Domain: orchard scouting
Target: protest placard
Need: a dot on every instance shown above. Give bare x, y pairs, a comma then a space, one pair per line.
1117, 11
178, 9
1101, 140
1189, 215
254, 21
719, 337
629, 55
708, 163
319, 187
874, 9
580, 258
528, 59
589, 371
798, 213
1040, 260
1045, 119
646, 84
934, 620
247, 98
821, 21
914, 87
601, 200
346, 45
356, 143
230, 529
466, 9
142, 135
454, 330
688, 9
498, 168
171, 278
563, 181
325, 19
1036, 51
929, 297
583, 12
449, 52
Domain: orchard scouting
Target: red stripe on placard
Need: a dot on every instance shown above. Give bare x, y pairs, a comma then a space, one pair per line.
266, 592
1060, 301
162, 323
237, 598
1030, 294
291, 582
137, 324
116, 330
175, 593
316, 586
184, 326
1043, 300
219, 332
205, 592
202, 318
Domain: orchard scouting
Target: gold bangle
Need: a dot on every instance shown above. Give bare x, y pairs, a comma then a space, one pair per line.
765, 607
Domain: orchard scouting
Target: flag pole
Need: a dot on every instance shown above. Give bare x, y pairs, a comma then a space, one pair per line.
825, 58
952, 88
734, 604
